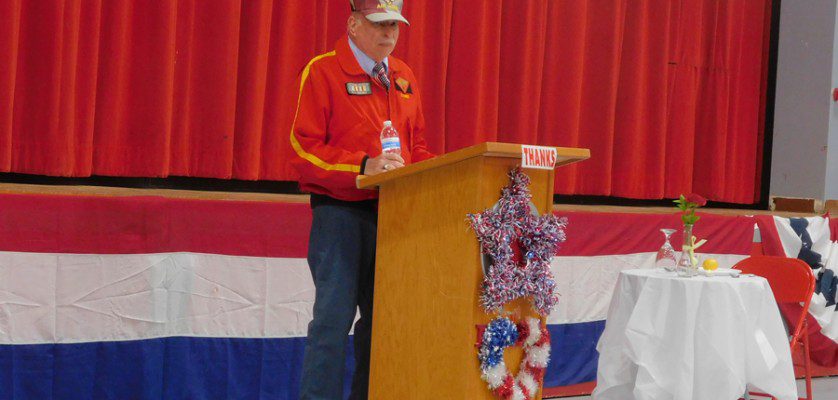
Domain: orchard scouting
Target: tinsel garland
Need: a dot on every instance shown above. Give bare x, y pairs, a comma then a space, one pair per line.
495, 338
512, 223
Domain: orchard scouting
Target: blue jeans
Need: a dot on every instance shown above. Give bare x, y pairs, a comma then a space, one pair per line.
341, 256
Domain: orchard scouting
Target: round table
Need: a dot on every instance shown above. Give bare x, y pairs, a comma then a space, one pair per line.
697, 338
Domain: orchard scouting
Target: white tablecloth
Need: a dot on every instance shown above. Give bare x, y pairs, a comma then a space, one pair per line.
699, 338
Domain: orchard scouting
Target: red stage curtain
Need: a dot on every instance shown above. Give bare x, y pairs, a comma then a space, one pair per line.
667, 94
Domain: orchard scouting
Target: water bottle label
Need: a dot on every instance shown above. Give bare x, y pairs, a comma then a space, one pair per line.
390, 144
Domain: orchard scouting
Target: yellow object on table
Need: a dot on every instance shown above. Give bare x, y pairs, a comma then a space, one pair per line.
710, 264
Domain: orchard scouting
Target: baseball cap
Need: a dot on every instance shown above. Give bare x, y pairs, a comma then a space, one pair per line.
380, 10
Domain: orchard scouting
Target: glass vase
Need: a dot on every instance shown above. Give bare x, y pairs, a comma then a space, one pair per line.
666, 254
684, 266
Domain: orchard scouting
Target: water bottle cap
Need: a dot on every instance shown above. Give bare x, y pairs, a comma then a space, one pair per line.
388, 123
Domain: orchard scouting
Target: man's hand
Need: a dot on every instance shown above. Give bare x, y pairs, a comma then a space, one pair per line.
383, 163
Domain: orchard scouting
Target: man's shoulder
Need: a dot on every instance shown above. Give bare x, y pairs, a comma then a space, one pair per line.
325, 60
398, 64
318, 67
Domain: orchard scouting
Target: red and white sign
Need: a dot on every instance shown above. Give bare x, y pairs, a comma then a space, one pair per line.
539, 157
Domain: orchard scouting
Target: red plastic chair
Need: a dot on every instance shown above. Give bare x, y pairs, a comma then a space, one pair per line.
792, 281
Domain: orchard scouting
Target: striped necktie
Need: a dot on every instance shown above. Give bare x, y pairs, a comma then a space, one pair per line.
380, 73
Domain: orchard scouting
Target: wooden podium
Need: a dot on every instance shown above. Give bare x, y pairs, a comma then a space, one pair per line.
428, 270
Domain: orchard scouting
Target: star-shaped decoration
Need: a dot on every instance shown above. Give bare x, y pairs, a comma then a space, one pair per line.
514, 223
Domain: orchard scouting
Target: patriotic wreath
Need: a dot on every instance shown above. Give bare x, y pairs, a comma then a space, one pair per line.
495, 338
520, 244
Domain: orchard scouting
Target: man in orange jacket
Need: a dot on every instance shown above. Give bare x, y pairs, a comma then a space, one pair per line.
345, 96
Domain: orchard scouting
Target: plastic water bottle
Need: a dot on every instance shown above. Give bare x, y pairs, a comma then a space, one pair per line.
390, 139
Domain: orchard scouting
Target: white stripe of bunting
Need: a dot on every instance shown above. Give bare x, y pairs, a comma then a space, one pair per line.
68, 298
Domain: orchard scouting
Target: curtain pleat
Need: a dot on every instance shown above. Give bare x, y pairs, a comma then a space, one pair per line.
640, 113
669, 95
9, 45
563, 83
135, 96
521, 70
471, 96
256, 22
428, 40
206, 76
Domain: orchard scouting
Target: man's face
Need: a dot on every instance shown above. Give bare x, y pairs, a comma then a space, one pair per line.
375, 39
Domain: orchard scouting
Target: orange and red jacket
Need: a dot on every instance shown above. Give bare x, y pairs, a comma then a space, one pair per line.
339, 116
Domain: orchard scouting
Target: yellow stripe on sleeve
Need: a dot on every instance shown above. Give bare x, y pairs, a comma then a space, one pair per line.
296, 144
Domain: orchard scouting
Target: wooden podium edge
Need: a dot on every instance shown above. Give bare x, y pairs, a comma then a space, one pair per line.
566, 155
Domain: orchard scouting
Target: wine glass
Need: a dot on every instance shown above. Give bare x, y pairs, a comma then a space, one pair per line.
666, 254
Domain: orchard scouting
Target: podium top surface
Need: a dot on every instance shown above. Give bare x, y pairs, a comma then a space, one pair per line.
566, 155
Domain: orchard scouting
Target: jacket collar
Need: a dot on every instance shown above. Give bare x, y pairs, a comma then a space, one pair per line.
350, 65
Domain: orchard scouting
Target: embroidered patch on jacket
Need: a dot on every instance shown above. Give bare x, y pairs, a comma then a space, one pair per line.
359, 88
404, 86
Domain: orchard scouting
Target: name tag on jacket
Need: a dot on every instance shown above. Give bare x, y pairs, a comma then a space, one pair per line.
359, 88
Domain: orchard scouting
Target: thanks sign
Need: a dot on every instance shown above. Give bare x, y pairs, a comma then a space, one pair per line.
539, 157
